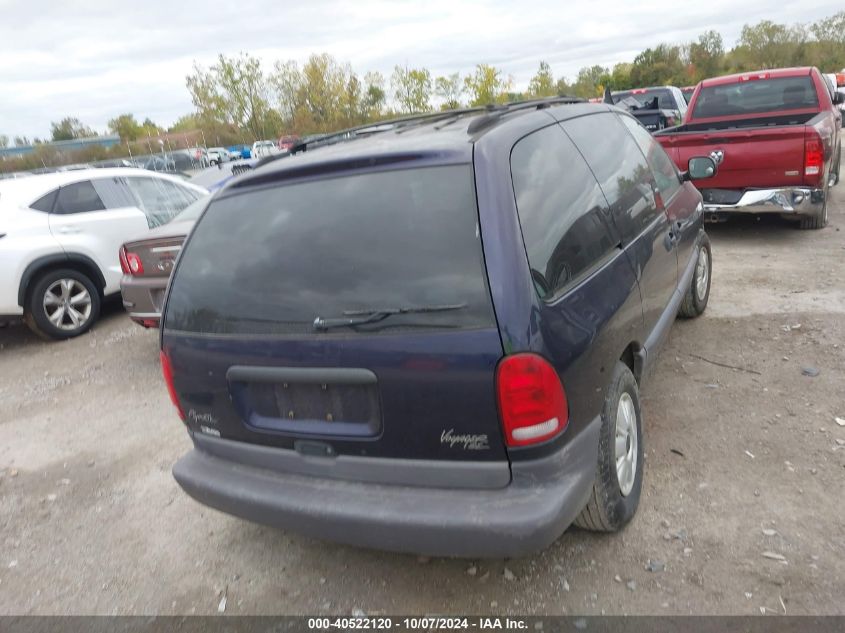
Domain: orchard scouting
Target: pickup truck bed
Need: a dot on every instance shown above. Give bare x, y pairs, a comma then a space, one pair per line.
771, 156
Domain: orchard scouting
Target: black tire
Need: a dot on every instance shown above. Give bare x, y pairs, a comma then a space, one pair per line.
818, 221
693, 304
838, 167
35, 312
608, 510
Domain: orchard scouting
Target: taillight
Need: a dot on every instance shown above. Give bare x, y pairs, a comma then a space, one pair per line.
813, 156
136, 266
124, 265
532, 402
167, 370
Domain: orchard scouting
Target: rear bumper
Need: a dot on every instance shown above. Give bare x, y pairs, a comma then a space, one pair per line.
541, 501
142, 298
785, 201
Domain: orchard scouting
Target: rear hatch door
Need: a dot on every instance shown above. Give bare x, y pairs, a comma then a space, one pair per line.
347, 316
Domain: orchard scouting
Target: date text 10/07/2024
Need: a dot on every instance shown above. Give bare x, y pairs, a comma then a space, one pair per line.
417, 624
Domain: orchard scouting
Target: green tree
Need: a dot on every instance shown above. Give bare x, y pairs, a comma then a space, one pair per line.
374, 97
828, 50
659, 66
487, 85
411, 89
4, 141
449, 88
542, 84
769, 45
126, 127
706, 56
591, 81
70, 128
234, 90
620, 77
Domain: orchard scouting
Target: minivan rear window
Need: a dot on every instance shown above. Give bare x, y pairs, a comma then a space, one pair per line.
400, 250
756, 96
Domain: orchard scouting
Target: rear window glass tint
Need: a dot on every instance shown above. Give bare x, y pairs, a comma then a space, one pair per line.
80, 197
560, 210
664, 98
756, 96
271, 261
621, 169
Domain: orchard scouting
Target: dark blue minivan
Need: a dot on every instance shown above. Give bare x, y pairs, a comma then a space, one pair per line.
429, 335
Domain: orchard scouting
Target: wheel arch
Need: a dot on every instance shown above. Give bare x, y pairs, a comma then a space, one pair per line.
74, 261
634, 358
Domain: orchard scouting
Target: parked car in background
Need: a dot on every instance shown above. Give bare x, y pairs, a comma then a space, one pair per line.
240, 151
147, 261
218, 155
656, 108
60, 235
164, 163
687, 92
836, 82
352, 366
776, 135
262, 149
287, 142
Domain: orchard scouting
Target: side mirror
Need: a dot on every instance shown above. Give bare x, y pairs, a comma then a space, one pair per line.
700, 167
838, 98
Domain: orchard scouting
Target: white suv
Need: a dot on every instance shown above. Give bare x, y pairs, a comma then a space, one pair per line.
60, 235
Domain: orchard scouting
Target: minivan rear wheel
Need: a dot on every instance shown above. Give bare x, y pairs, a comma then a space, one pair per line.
62, 304
698, 293
619, 470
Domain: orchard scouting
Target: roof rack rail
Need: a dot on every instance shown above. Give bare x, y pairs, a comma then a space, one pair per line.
491, 112
494, 113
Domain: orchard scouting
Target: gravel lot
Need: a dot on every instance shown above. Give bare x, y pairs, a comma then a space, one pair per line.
740, 462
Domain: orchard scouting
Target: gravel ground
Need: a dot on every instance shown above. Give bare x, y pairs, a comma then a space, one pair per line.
742, 503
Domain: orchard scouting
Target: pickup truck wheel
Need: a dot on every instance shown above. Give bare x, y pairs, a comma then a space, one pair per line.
619, 471
818, 221
698, 293
62, 304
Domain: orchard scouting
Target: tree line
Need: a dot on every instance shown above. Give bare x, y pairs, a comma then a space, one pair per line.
240, 99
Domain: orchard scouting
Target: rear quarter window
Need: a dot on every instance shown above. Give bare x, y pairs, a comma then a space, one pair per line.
273, 260
560, 209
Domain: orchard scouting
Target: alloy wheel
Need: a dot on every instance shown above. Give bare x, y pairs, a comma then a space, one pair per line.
67, 304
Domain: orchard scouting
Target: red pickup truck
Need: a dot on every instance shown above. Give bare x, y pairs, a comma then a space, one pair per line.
775, 135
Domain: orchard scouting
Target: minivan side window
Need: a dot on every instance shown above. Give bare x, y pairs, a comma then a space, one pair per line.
665, 174
79, 197
620, 168
560, 208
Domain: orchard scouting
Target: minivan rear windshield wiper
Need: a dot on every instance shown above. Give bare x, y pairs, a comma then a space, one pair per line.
361, 317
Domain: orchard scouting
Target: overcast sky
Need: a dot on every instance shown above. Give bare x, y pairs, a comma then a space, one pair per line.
96, 59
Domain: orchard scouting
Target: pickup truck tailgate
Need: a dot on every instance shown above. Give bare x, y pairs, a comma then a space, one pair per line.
751, 157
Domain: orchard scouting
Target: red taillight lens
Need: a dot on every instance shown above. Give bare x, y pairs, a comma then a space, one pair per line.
136, 266
124, 265
813, 156
167, 371
532, 402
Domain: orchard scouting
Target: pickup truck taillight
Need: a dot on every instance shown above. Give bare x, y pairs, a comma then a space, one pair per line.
813, 157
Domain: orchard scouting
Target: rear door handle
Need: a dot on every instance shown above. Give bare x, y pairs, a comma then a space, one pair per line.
69, 229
